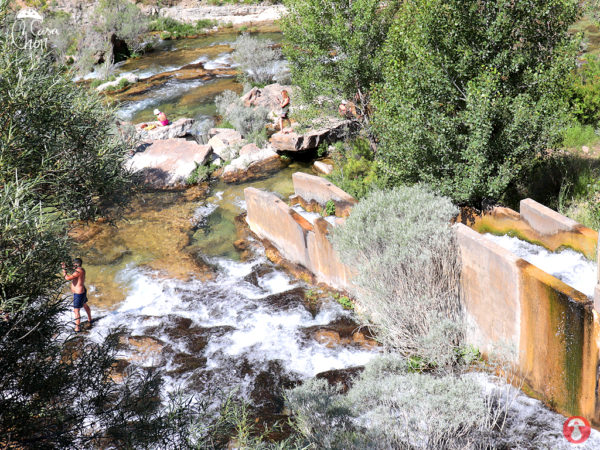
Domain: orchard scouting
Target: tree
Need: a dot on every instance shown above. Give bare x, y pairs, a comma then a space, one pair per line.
473, 92
123, 19
59, 159
58, 134
333, 46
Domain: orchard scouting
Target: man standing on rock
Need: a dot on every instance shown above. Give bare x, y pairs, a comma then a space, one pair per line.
77, 279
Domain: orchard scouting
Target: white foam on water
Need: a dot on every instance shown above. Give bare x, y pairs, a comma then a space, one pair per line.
530, 424
250, 325
221, 61
164, 94
203, 212
567, 265
310, 216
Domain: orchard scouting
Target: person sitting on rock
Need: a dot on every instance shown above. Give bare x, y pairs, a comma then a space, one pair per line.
161, 117
284, 103
348, 110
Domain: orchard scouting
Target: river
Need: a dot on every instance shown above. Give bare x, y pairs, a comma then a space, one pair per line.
209, 315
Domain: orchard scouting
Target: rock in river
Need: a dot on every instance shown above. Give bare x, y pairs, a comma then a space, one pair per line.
178, 129
330, 131
168, 162
251, 166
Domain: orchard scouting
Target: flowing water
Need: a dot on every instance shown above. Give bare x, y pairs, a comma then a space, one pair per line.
194, 98
212, 316
209, 316
567, 265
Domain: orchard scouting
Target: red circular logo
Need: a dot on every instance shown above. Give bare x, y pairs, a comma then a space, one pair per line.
577, 429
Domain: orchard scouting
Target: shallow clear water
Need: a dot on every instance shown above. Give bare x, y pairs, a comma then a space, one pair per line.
179, 99
567, 265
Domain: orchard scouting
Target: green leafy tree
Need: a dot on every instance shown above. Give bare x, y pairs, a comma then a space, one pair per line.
473, 92
58, 160
585, 91
58, 134
333, 46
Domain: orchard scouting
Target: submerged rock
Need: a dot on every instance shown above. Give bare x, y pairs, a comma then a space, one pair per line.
252, 166
323, 168
168, 162
343, 378
178, 129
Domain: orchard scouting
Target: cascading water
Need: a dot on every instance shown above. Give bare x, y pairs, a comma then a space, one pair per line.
567, 265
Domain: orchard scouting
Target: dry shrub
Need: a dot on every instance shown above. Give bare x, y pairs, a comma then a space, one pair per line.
408, 271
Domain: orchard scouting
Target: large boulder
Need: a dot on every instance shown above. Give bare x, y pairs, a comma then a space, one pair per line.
267, 97
225, 142
178, 129
251, 166
329, 131
168, 162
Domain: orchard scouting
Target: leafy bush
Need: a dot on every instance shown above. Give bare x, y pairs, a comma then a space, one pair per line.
355, 170
585, 91
333, 46
462, 107
200, 174
403, 247
343, 300
329, 208
60, 160
257, 59
125, 20
389, 407
250, 122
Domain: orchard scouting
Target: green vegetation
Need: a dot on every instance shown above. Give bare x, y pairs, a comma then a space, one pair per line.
356, 171
329, 208
343, 300
97, 82
334, 46
392, 405
61, 160
250, 122
579, 135
171, 28
462, 107
257, 59
200, 174
584, 91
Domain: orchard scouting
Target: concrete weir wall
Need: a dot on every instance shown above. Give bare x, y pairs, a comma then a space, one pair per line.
552, 329
296, 239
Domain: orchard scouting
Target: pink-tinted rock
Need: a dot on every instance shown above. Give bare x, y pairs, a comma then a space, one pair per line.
249, 149
267, 97
177, 129
324, 168
252, 166
168, 162
296, 239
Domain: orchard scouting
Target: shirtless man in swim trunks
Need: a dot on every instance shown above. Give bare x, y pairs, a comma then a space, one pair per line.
77, 279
